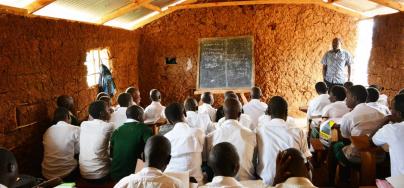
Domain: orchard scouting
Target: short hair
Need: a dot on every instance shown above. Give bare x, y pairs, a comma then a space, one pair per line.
134, 112
321, 87
101, 94
348, 84
379, 88
124, 99
174, 112
277, 106
190, 104
359, 92
131, 90
231, 107
207, 97
157, 149
224, 159
105, 99
373, 94
256, 92
401, 91
60, 114
399, 104
339, 92
230, 94
155, 95
96, 108
8, 167
64, 101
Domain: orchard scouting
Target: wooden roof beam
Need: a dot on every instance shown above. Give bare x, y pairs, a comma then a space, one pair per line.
239, 3
38, 5
123, 10
152, 7
13, 10
391, 4
343, 10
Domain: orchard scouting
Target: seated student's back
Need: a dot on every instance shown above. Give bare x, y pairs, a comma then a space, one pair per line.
194, 119
206, 107
155, 110
316, 105
119, 116
337, 108
67, 102
371, 101
255, 108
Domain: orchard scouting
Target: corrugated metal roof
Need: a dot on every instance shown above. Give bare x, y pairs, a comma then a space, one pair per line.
16, 3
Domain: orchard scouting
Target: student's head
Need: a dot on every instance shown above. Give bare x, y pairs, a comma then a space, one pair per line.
224, 160
65, 101
373, 94
174, 113
107, 100
61, 114
256, 93
99, 110
8, 168
125, 100
292, 163
397, 110
157, 152
155, 95
321, 88
207, 98
230, 94
278, 108
356, 94
134, 92
190, 104
232, 108
336, 43
101, 94
135, 112
379, 88
400, 92
337, 93
348, 85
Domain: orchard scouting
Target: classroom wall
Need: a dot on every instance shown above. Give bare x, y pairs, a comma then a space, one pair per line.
41, 59
386, 64
290, 41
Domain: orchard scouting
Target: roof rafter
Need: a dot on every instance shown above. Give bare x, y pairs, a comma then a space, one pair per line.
152, 7
343, 10
238, 3
123, 10
13, 10
391, 4
38, 5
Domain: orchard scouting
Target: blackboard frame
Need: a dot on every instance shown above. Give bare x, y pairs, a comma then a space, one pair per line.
222, 90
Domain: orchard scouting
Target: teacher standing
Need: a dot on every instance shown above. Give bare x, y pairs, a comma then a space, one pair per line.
334, 63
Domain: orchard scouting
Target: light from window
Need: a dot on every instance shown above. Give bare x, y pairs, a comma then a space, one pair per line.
94, 59
362, 52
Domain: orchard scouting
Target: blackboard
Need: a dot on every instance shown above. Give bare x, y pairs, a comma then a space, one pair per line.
226, 63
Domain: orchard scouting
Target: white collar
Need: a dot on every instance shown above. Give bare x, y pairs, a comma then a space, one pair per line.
225, 180
301, 181
63, 123
131, 120
207, 105
150, 170
2, 186
230, 122
277, 122
155, 103
190, 113
255, 100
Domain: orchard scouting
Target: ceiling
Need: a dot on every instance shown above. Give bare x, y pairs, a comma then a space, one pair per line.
133, 14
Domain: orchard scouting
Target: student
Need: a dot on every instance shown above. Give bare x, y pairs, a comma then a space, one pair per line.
291, 170
119, 116
219, 111
383, 99
8, 169
135, 93
101, 94
61, 144
155, 111
109, 103
67, 102
157, 156
127, 143
255, 108
233, 132
393, 135
94, 144
337, 108
274, 136
244, 119
225, 163
316, 105
348, 85
372, 101
206, 107
195, 119
186, 143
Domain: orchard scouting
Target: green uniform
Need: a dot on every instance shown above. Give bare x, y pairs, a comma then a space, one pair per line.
127, 145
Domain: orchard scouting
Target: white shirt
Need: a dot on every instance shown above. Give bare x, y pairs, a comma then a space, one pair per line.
383, 100
244, 120
186, 150
2, 186
264, 119
379, 107
94, 148
335, 110
242, 138
316, 105
393, 135
154, 112
201, 121
119, 117
296, 182
255, 108
274, 136
207, 109
61, 143
224, 182
149, 177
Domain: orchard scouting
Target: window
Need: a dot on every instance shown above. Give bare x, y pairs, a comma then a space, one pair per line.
362, 53
94, 59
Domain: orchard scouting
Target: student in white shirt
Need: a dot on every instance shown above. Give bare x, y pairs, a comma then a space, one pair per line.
186, 144
383, 99
95, 135
276, 135
8, 169
337, 108
372, 101
393, 135
194, 119
242, 138
225, 163
244, 119
316, 105
157, 156
135, 93
61, 144
255, 108
119, 116
107, 100
155, 111
206, 107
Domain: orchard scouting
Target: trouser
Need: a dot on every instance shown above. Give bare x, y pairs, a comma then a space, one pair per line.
329, 84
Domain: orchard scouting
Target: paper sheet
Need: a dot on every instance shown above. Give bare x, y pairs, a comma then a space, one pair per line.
396, 181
